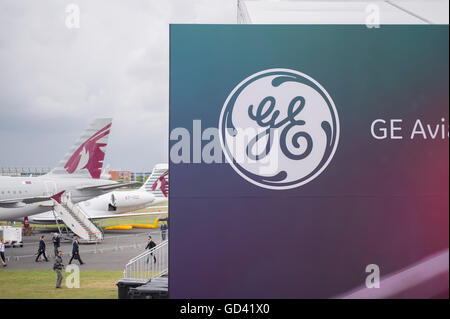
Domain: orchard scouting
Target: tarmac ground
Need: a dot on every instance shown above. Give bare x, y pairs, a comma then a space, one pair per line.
117, 248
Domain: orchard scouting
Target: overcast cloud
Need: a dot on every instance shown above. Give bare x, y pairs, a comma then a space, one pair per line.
54, 80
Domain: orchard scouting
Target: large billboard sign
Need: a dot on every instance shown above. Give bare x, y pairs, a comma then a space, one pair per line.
300, 155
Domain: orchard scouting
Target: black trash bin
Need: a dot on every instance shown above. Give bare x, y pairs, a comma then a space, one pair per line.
145, 292
157, 288
124, 286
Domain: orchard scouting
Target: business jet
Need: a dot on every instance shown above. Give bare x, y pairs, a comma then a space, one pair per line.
115, 204
78, 174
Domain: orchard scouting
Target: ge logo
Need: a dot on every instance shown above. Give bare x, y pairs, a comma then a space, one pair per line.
279, 129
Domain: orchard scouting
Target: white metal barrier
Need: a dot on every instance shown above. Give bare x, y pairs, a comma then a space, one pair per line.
150, 264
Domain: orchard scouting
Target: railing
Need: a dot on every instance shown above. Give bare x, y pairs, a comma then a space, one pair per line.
150, 264
93, 231
70, 221
108, 244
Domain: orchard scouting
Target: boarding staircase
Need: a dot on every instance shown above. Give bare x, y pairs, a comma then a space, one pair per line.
146, 275
76, 220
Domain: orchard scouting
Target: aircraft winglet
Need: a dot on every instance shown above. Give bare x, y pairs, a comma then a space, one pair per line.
58, 196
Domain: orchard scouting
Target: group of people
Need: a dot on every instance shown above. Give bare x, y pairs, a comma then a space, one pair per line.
58, 266
56, 244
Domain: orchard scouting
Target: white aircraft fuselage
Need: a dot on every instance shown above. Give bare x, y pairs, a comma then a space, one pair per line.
104, 206
116, 203
119, 202
17, 188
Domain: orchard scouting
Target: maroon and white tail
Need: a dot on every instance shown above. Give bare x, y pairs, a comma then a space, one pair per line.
162, 183
158, 181
85, 158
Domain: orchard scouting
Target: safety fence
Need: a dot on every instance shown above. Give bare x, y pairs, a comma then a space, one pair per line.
150, 264
109, 244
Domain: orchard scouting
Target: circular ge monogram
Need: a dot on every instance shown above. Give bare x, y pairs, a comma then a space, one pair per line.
279, 129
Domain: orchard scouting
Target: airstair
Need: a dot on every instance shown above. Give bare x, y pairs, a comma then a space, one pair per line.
76, 220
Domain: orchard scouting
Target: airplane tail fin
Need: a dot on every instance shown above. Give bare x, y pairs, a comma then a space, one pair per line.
158, 181
85, 158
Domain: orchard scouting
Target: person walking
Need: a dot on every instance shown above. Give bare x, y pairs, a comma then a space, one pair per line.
163, 231
76, 251
2, 252
58, 267
150, 245
56, 243
41, 250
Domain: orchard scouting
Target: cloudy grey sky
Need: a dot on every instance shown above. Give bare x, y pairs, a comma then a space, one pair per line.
54, 80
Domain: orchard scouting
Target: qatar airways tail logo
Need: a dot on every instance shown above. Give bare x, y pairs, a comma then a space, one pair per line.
279, 129
89, 155
162, 184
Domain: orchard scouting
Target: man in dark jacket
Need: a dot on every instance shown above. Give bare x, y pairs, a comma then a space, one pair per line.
41, 250
58, 267
150, 245
163, 231
56, 243
76, 251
